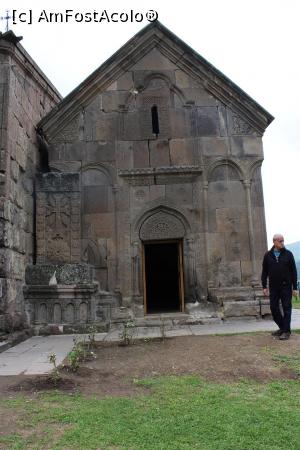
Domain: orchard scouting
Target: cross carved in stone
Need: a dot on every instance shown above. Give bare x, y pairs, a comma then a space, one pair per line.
58, 211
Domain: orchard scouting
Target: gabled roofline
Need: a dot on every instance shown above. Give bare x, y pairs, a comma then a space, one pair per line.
156, 35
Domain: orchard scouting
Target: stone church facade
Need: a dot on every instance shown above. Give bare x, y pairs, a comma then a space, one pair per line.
147, 193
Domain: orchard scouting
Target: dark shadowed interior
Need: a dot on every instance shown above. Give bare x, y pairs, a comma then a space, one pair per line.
162, 277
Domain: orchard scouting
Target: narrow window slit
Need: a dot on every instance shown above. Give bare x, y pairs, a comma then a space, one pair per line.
155, 121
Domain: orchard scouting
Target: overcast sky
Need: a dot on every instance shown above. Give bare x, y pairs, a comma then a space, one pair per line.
254, 43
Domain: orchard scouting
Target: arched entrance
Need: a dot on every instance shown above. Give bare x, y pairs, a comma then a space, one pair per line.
162, 236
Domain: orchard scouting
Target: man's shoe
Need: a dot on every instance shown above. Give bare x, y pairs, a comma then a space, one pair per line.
284, 336
277, 333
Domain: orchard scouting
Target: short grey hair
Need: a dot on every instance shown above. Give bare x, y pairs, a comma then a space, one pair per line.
277, 236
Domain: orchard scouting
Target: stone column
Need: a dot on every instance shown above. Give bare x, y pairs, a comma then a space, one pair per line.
191, 268
115, 190
247, 186
135, 270
206, 233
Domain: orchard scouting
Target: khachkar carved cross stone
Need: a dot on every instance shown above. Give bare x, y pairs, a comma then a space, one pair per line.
58, 218
58, 227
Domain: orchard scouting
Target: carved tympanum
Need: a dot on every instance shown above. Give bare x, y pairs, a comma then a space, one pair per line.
162, 225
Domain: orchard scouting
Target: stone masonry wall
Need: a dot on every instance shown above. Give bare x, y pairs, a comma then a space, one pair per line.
204, 162
25, 97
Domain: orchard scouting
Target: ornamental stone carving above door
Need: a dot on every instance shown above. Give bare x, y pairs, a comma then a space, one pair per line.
162, 225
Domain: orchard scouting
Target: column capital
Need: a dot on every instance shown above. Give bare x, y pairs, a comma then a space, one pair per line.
247, 183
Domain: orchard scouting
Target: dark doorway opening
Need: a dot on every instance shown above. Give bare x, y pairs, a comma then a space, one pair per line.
163, 277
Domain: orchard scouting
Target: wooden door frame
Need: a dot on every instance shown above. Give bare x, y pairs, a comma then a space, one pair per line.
179, 243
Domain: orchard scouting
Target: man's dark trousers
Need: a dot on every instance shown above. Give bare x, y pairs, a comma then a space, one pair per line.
285, 295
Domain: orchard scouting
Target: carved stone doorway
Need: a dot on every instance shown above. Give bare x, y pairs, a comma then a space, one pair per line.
163, 277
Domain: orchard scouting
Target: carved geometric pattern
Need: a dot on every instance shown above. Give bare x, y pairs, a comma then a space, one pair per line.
69, 133
57, 227
148, 101
57, 221
162, 225
160, 175
58, 210
239, 126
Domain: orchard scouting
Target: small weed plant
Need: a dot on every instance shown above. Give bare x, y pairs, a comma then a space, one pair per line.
55, 374
127, 333
80, 352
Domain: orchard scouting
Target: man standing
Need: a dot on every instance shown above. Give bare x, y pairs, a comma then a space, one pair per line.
279, 266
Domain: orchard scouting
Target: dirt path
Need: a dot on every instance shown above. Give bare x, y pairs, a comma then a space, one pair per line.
216, 358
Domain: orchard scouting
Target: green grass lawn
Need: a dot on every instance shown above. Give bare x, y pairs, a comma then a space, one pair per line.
296, 302
177, 413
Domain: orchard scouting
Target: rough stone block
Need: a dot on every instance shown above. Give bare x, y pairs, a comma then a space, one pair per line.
182, 152
181, 194
199, 96
214, 146
130, 126
159, 153
157, 191
112, 100
204, 121
232, 220
95, 199
241, 308
125, 82
141, 154
138, 196
14, 170
56, 182
124, 154
103, 224
225, 193
154, 60
106, 127
252, 146
183, 80
100, 151
228, 274
65, 166
179, 123
73, 151
21, 155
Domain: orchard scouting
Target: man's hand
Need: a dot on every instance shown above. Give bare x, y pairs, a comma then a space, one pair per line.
266, 292
295, 293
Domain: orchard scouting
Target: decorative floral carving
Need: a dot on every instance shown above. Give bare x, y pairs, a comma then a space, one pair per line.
239, 126
162, 225
69, 133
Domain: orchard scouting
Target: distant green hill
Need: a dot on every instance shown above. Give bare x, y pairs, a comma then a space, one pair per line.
295, 249
298, 269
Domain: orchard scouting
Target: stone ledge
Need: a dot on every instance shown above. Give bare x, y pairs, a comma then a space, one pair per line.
66, 274
42, 290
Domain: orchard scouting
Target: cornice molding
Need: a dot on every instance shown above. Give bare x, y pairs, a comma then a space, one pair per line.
9, 44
